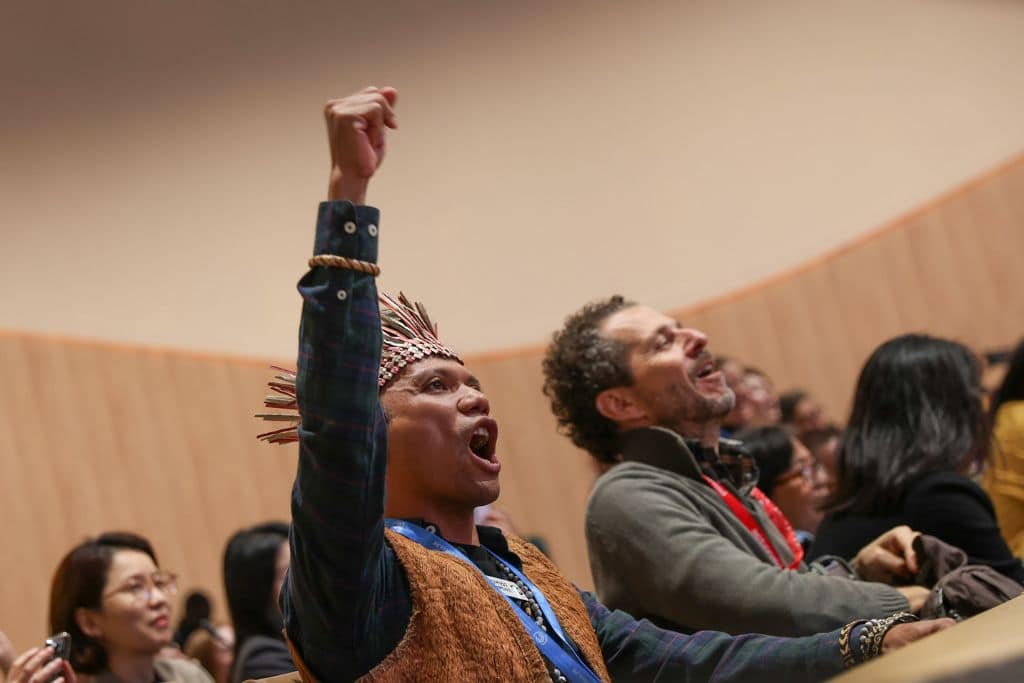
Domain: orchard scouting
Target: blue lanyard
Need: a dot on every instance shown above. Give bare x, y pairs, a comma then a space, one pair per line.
561, 654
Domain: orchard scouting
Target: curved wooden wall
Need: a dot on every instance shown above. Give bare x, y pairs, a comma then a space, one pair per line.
95, 436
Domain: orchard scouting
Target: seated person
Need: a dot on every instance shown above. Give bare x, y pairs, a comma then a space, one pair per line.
789, 476
824, 446
917, 430
426, 594
1004, 471
111, 596
800, 412
676, 530
255, 563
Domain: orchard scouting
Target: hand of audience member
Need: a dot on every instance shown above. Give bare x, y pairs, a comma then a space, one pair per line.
904, 634
356, 127
916, 596
38, 665
888, 557
6, 653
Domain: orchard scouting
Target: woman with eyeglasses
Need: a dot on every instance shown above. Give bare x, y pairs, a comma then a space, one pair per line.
789, 475
110, 594
917, 434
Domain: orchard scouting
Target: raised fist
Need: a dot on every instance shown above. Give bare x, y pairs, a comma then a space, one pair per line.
356, 128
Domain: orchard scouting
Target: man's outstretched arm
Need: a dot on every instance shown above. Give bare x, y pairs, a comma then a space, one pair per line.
640, 651
335, 604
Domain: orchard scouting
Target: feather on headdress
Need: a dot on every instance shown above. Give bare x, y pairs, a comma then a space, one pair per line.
408, 335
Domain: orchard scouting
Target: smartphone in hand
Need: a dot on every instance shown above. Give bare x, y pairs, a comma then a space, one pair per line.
61, 644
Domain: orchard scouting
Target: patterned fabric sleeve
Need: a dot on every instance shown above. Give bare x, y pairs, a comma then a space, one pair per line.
640, 651
344, 604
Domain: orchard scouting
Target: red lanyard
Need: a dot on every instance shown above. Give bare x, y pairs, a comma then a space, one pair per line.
774, 513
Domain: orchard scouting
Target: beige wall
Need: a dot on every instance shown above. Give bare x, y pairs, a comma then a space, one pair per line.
162, 161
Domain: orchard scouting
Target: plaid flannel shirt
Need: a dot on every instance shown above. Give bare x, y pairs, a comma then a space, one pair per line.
346, 602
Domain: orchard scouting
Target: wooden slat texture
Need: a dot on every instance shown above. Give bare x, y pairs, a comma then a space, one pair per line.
96, 436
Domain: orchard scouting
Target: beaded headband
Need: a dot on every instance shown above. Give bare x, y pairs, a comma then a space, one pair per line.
408, 334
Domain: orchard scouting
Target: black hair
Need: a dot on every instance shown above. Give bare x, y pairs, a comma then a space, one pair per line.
788, 403
250, 560
816, 438
1012, 388
579, 364
772, 448
79, 581
917, 409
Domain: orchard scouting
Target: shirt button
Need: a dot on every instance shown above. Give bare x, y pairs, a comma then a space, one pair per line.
350, 227
372, 229
342, 295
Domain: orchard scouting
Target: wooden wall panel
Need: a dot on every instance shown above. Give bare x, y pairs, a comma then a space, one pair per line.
96, 436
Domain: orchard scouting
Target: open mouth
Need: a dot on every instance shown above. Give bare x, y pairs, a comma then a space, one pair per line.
706, 369
484, 440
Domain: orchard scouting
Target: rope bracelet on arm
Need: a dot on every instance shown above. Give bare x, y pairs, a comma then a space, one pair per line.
870, 638
332, 261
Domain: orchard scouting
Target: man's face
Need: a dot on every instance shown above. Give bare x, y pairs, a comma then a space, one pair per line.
674, 379
441, 439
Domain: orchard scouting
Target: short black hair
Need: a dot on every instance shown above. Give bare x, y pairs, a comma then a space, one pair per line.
788, 403
579, 364
772, 448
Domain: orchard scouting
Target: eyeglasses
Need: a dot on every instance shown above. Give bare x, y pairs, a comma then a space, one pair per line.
140, 589
810, 471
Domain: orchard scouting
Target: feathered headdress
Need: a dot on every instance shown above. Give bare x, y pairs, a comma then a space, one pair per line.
409, 335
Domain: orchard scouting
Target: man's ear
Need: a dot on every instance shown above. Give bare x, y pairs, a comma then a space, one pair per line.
619, 405
88, 621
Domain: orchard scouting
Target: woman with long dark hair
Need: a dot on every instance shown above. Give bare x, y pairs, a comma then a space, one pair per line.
111, 595
1004, 473
255, 562
916, 432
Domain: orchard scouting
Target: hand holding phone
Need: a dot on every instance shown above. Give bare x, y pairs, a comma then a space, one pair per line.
47, 663
61, 644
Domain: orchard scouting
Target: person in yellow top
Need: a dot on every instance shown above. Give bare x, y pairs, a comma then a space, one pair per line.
1004, 475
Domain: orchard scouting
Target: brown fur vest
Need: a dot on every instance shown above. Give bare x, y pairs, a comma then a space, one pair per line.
463, 630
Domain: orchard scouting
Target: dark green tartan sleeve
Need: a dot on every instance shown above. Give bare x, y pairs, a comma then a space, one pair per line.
640, 651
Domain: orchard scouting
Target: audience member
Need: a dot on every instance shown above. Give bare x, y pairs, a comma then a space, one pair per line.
676, 531
214, 648
916, 431
824, 446
197, 610
6, 655
255, 563
764, 401
789, 476
800, 412
1004, 474
737, 418
385, 405
110, 594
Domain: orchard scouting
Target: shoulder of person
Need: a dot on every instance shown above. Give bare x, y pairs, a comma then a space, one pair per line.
620, 486
935, 486
1010, 418
257, 648
175, 670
